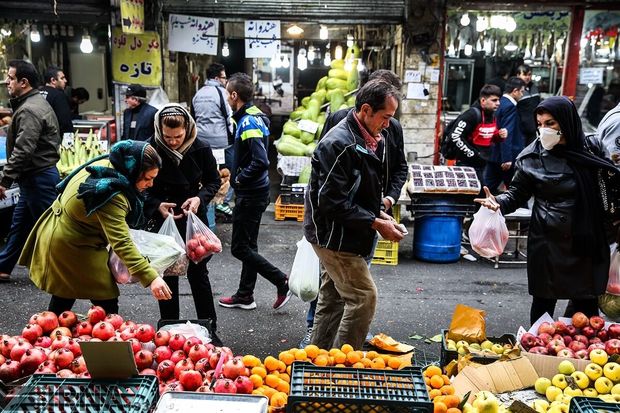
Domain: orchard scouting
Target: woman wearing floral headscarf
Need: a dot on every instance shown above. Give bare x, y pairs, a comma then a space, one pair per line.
66, 251
188, 180
568, 251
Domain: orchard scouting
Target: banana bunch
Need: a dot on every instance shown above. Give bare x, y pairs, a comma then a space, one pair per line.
79, 153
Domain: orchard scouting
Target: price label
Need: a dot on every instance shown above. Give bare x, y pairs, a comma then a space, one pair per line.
103, 145
307, 125
67, 140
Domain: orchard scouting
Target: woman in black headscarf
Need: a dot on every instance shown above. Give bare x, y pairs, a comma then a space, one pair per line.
568, 252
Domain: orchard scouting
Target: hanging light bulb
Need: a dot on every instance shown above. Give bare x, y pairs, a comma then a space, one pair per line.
86, 46
482, 24
311, 54
35, 37
338, 53
328, 59
302, 62
302, 52
360, 65
510, 25
468, 50
294, 30
225, 50
323, 33
5, 32
349, 40
465, 21
286, 63
498, 22
511, 46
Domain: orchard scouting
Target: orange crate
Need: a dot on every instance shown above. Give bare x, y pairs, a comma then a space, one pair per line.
283, 211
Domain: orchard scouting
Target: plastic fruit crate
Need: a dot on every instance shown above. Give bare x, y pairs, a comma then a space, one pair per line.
448, 355
48, 393
580, 404
396, 212
386, 253
283, 211
345, 389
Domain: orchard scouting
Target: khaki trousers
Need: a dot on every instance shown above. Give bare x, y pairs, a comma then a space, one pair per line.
347, 300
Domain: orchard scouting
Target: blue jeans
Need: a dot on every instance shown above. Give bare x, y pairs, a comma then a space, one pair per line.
36, 194
229, 155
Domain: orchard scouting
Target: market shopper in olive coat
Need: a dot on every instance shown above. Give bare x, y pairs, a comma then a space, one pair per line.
568, 253
66, 252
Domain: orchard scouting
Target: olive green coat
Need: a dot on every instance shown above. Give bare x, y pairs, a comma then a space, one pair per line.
66, 251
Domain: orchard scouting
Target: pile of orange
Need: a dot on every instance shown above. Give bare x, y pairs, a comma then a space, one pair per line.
441, 391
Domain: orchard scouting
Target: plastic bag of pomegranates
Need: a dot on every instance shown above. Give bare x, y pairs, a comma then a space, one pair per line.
200, 241
179, 267
488, 233
613, 283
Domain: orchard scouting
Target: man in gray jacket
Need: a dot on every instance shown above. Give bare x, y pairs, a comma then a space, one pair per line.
32, 153
213, 119
608, 132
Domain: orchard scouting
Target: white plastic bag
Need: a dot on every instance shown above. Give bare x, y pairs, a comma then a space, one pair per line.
189, 329
161, 251
304, 278
159, 98
200, 241
488, 233
179, 267
613, 284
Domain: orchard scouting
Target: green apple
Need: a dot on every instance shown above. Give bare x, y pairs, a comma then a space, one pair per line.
612, 371
461, 343
498, 349
489, 405
615, 389
553, 392
599, 356
558, 408
581, 380
468, 408
486, 345
566, 367
541, 385
590, 392
603, 385
593, 371
540, 406
569, 391
559, 380
475, 346
610, 398
462, 350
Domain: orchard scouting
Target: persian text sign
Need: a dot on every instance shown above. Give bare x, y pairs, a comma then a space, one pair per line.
132, 16
193, 34
262, 38
136, 58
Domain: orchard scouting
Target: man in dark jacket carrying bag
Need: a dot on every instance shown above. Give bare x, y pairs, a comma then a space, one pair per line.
343, 213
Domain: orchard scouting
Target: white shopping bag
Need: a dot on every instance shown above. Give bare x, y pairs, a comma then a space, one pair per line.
304, 278
488, 233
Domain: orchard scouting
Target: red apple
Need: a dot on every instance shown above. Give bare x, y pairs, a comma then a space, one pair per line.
576, 346
603, 335
555, 345
538, 350
528, 340
595, 340
566, 352
545, 337
580, 320
588, 331
595, 346
567, 340
571, 330
546, 327
597, 322
614, 331
582, 338
612, 346
582, 354
560, 327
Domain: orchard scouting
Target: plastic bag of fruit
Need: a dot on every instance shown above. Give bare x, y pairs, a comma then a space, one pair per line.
305, 274
179, 267
488, 233
200, 241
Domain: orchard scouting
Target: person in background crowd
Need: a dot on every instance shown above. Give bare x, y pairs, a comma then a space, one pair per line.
343, 211
53, 92
139, 115
212, 113
608, 133
32, 147
394, 170
250, 178
188, 180
528, 104
503, 71
500, 168
66, 251
79, 96
567, 249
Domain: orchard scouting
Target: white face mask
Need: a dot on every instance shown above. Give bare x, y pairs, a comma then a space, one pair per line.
549, 137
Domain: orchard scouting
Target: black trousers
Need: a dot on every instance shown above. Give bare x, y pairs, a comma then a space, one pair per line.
540, 306
58, 305
247, 215
200, 285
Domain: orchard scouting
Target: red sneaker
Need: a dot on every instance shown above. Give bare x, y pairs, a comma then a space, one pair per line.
281, 300
245, 303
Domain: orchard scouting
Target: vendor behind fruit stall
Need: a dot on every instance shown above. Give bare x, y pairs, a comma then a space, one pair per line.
67, 253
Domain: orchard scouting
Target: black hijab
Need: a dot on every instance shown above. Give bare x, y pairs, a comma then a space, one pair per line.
588, 224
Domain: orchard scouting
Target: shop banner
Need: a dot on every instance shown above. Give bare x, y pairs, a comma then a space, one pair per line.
193, 34
262, 38
136, 58
132, 16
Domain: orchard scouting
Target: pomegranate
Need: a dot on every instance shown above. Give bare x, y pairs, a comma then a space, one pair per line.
47, 367
174, 386
84, 329
227, 351
135, 345
128, 333
114, 319
103, 331
161, 338
145, 333
7, 345
162, 353
3, 359
52, 355
244, 385
63, 358
19, 349
182, 366
232, 368
204, 389
190, 342
43, 342
178, 356
176, 342
95, 314
61, 331
74, 347
215, 357
197, 352
10, 371
31, 359
115, 338
59, 342
144, 359
78, 365
48, 321
67, 319
148, 372
65, 374
127, 324
165, 370
202, 365
209, 376
31, 332
33, 318
190, 379
224, 386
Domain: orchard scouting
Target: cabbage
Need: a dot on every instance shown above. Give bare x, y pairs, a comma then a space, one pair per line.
610, 305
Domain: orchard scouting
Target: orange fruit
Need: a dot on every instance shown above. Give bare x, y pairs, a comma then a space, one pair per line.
250, 361
268, 391
312, 351
427, 380
340, 365
321, 360
386, 358
346, 348
446, 379
281, 366
256, 380
432, 371
436, 382
260, 371
452, 401
301, 355
333, 351
271, 363
378, 363
279, 399
340, 357
434, 393
447, 389
453, 410
366, 362
257, 392
272, 381
287, 357
440, 399
285, 377
322, 351
288, 370
331, 361
283, 386
358, 365
372, 355
353, 357
440, 407
394, 362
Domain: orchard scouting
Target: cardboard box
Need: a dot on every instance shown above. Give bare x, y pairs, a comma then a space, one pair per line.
109, 359
547, 366
498, 377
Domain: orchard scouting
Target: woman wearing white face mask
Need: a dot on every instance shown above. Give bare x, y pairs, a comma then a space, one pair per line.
568, 253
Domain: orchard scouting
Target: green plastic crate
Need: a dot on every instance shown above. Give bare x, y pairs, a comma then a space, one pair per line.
48, 393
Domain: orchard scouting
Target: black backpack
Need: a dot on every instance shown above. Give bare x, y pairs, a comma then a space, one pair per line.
447, 147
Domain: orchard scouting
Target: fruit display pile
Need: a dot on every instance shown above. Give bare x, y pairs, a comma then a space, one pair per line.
78, 153
576, 340
487, 347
